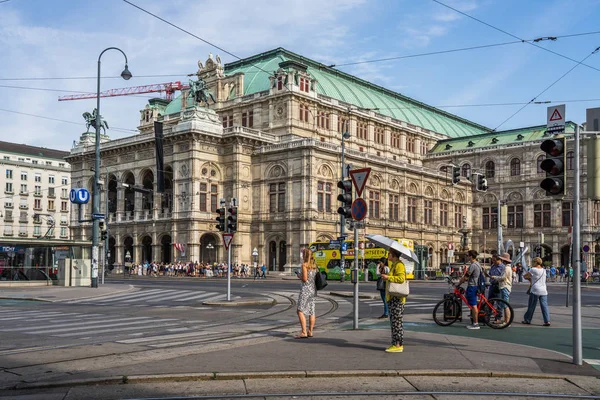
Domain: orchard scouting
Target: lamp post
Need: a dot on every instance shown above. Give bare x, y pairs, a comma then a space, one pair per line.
96, 200
209, 247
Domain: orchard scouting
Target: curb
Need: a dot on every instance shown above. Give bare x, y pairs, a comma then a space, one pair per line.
266, 302
206, 376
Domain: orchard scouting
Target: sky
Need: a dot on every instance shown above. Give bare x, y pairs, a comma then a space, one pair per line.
43, 40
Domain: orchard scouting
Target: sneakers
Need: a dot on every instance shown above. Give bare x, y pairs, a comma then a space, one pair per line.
383, 317
473, 326
394, 349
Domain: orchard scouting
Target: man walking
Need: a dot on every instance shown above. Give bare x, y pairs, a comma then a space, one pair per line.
472, 277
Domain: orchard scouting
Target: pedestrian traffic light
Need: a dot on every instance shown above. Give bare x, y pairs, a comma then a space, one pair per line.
555, 182
346, 199
455, 175
103, 235
232, 219
221, 219
482, 185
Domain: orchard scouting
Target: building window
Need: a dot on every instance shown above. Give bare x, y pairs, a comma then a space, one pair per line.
410, 144
515, 167
37, 230
303, 112
248, 119
64, 180
394, 208
342, 128
411, 209
37, 204
51, 205
23, 189
465, 170
62, 165
567, 213
9, 174
324, 196
48, 162
37, 178
570, 160
379, 135
64, 193
227, 121
458, 216
279, 82
362, 130
9, 187
323, 120
423, 147
490, 169
489, 217
428, 212
515, 216
374, 204
203, 196
63, 232
539, 164
34, 161
443, 214
51, 179
23, 176
63, 206
395, 140
542, 215
9, 204
6, 157
277, 197
50, 192
304, 85
214, 194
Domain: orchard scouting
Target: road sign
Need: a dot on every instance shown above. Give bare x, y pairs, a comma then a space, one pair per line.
97, 216
255, 252
359, 209
344, 246
450, 246
359, 178
342, 238
556, 119
334, 242
450, 253
586, 248
227, 238
79, 196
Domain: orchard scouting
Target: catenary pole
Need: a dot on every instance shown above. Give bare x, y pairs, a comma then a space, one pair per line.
577, 345
342, 218
355, 324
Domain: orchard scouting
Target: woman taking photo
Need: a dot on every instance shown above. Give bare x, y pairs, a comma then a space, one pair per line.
308, 292
537, 291
397, 274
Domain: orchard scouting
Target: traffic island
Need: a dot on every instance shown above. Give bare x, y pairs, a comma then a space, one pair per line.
241, 303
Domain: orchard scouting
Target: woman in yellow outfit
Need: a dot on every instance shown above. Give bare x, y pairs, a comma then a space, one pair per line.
396, 304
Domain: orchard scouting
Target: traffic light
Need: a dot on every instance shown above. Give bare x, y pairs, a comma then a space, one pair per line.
221, 219
345, 198
482, 185
455, 175
555, 182
103, 235
232, 219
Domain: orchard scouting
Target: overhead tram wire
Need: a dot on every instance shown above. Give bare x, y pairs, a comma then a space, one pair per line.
513, 36
548, 88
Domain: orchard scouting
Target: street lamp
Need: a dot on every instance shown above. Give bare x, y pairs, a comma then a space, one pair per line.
209, 247
126, 74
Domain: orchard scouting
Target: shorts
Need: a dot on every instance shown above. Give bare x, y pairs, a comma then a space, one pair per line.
504, 295
471, 295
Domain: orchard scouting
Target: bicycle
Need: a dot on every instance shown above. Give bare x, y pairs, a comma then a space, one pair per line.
449, 310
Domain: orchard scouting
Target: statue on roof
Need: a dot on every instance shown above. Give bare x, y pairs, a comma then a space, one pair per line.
200, 92
90, 120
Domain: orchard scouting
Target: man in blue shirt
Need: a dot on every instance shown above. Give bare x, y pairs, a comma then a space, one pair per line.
496, 270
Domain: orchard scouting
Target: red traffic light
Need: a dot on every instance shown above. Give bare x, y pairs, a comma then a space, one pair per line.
553, 147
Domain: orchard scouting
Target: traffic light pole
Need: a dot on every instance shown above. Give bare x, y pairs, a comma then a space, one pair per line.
355, 323
342, 219
229, 272
576, 253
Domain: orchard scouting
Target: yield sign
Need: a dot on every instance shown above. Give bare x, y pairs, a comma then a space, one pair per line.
227, 238
359, 178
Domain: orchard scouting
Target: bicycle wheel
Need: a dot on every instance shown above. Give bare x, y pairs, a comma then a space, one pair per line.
495, 315
446, 312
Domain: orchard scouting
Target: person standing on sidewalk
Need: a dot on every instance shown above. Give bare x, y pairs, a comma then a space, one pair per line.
472, 277
397, 274
308, 293
382, 269
505, 281
537, 291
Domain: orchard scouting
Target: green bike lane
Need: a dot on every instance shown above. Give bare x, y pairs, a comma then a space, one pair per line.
558, 337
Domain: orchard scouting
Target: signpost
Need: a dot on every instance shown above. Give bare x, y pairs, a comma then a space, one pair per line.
555, 123
359, 209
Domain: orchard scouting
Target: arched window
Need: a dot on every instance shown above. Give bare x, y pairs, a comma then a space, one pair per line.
570, 159
515, 167
466, 170
490, 169
539, 163
444, 168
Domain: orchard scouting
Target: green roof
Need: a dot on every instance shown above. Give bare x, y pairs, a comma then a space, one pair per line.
500, 138
349, 89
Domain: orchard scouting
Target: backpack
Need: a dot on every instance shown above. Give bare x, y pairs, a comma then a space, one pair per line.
481, 284
320, 280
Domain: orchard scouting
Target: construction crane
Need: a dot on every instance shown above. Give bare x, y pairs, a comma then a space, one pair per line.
169, 89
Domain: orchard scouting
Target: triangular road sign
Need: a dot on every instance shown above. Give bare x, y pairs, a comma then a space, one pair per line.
359, 178
556, 115
227, 238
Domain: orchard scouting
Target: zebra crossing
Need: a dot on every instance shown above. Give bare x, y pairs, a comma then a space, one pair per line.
414, 304
158, 298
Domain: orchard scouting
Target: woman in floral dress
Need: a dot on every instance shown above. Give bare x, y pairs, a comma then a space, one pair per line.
308, 293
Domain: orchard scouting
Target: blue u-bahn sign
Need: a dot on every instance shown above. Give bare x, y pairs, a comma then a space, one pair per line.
79, 196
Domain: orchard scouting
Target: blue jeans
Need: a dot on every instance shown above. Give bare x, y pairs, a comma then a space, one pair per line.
533, 299
385, 304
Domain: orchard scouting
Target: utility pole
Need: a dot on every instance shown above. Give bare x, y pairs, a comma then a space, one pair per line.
577, 344
355, 323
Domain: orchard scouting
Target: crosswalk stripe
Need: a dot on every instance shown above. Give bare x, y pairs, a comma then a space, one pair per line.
164, 337
151, 325
109, 298
199, 296
92, 328
145, 295
169, 297
37, 317
77, 323
218, 297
